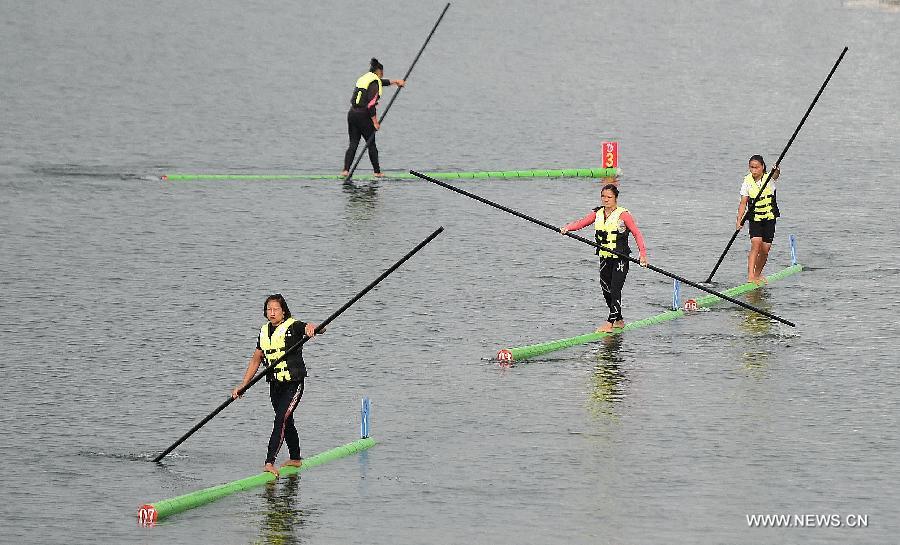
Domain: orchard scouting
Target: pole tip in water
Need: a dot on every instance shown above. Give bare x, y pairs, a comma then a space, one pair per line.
147, 515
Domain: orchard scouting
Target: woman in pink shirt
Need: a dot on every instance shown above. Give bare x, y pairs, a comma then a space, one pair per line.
612, 224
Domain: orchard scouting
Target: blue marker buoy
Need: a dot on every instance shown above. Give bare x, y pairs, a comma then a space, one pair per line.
364, 418
793, 240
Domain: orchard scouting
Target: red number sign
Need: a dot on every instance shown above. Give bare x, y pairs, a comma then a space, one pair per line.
610, 152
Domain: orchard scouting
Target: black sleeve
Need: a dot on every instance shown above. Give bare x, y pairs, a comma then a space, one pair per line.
386, 82
301, 326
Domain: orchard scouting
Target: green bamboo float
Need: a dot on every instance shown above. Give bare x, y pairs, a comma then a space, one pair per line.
538, 173
524, 352
150, 513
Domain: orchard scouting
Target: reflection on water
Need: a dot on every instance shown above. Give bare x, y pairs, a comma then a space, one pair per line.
283, 520
883, 5
361, 199
756, 359
363, 472
607, 380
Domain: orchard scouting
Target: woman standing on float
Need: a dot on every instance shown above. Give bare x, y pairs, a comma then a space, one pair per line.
612, 225
761, 218
362, 119
277, 336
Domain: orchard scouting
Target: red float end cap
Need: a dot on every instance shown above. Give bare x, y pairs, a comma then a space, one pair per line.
691, 304
147, 515
505, 356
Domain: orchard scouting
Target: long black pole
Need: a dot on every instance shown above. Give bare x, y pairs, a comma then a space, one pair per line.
594, 244
319, 329
397, 92
778, 162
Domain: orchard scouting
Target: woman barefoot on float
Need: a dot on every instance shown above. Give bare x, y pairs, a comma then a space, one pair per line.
612, 224
762, 216
278, 335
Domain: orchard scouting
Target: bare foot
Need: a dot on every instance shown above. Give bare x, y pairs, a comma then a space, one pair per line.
294, 463
378, 174
605, 328
271, 469
619, 324
345, 173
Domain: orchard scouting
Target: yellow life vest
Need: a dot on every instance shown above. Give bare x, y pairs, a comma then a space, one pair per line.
362, 85
273, 349
764, 207
611, 233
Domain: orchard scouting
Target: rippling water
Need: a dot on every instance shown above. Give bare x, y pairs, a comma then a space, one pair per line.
130, 305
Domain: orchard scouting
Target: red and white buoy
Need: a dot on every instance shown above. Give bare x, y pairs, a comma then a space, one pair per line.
147, 515
504, 356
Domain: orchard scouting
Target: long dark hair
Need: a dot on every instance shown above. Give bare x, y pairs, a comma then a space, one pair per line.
761, 161
284, 308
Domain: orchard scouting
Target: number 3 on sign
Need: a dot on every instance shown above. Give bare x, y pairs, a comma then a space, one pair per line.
610, 154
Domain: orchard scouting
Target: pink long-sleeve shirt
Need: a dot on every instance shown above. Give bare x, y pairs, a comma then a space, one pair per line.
626, 217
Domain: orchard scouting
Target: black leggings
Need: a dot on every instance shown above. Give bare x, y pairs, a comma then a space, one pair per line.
612, 278
284, 396
359, 124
